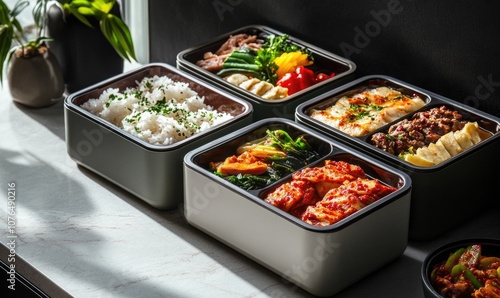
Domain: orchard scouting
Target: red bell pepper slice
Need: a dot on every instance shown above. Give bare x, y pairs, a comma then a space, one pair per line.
301, 79
305, 77
289, 81
320, 77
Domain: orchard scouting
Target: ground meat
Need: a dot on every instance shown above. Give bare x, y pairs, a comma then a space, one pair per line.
422, 129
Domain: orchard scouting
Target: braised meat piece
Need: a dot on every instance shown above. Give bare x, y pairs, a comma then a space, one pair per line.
422, 129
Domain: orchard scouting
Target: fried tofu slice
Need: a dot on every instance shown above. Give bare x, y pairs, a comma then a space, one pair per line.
418, 160
440, 152
236, 79
435, 153
447, 146
471, 128
260, 88
463, 139
451, 144
276, 92
248, 84
427, 154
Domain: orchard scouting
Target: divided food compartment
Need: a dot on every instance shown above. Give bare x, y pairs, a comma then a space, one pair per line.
316, 258
150, 172
324, 61
443, 195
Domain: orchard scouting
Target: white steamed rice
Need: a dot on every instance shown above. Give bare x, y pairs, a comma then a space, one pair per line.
159, 110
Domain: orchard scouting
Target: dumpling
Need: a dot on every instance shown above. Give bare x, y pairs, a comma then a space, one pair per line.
450, 143
427, 154
463, 139
447, 146
472, 128
440, 152
418, 160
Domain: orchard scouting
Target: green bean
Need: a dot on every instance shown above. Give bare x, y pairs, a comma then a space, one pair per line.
232, 59
229, 71
241, 65
249, 58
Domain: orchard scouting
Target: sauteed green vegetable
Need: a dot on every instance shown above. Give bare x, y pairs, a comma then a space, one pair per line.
263, 161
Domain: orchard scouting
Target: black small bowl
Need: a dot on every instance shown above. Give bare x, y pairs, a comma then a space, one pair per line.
490, 247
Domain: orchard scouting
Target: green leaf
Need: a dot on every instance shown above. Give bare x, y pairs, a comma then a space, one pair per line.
4, 14
117, 33
124, 36
112, 27
80, 17
18, 8
6, 35
3, 27
39, 13
17, 26
107, 30
87, 11
38, 42
79, 3
104, 6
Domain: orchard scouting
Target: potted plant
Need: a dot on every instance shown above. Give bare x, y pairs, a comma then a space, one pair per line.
34, 75
90, 40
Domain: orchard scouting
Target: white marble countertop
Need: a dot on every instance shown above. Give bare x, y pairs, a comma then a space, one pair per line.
93, 239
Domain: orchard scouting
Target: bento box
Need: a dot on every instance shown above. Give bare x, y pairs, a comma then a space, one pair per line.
319, 251
443, 145
134, 129
268, 99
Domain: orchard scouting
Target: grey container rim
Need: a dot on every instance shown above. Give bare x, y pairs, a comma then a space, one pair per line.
250, 96
70, 105
392, 159
403, 190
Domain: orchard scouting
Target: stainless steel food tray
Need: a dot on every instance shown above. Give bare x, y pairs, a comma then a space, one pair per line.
322, 260
151, 172
283, 108
443, 195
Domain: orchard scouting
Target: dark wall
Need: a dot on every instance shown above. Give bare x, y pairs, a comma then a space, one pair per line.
448, 47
